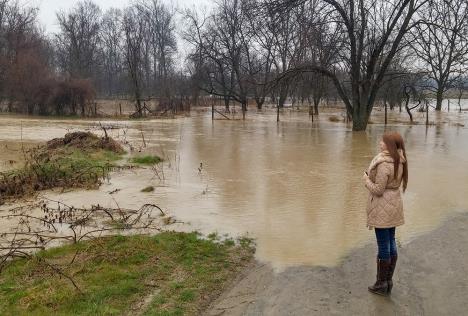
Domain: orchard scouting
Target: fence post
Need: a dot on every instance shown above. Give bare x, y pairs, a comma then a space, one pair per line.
427, 113
212, 107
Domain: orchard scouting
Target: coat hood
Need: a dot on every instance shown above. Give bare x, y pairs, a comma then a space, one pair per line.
384, 156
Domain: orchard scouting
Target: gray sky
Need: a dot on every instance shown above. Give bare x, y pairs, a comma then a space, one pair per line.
49, 7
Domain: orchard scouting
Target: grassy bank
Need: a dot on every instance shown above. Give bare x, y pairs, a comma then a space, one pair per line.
78, 160
167, 274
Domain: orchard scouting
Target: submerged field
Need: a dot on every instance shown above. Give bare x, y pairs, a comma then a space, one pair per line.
295, 186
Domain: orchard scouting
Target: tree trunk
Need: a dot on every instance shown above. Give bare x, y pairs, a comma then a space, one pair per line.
406, 105
440, 98
283, 95
139, 107
277, 112
244, 109
360, 116
226, 105
316, 106
459, 101
359, 124
427, 114
260, 102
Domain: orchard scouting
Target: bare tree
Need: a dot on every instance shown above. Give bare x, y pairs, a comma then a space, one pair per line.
221, 59
134, 30
287, 45
441, 44
373, 32
160, 44
23, 56
261, 53
78, 40
112, 52
322, 46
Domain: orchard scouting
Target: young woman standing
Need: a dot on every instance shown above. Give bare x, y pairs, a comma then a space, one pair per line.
387, 172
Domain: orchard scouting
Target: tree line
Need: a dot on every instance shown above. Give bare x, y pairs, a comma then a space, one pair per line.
126, 52
358, 51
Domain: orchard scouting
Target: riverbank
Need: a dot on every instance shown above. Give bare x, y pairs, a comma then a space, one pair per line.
431, 279
167, 274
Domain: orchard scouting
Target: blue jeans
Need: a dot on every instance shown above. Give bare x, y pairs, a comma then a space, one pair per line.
386, 242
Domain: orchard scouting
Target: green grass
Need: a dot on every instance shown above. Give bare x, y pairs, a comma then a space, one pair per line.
182, 271
146, 160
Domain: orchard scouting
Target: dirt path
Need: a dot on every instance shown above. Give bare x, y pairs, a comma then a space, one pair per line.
431, 279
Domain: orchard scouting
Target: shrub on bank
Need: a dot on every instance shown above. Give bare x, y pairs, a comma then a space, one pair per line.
77, 160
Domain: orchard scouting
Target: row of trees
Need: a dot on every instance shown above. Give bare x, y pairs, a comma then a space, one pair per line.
28, 81
360, 51
122, 52
368, 51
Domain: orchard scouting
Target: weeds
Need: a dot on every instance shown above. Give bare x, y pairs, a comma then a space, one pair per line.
78, 160
146, 160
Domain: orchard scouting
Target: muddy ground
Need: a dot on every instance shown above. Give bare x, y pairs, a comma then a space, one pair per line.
431, 279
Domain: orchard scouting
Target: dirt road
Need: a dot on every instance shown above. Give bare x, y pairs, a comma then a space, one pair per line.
431, 279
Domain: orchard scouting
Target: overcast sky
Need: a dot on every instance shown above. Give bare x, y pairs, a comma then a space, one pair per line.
49, 7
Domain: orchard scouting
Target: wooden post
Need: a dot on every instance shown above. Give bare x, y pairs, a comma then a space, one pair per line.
277, 111
311, 112
212, 108
427, 114
21, 122
143, 137
120, 107
385, 113
448, 105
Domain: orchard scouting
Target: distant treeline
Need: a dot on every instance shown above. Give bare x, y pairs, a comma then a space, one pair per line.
363, 52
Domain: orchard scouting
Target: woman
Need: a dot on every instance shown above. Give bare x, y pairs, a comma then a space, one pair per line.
386, 173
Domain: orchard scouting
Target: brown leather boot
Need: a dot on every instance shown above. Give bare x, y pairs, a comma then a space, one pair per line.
391, 269
381, 285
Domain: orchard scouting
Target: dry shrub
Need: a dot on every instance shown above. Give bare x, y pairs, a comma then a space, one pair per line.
77, 160
85, 141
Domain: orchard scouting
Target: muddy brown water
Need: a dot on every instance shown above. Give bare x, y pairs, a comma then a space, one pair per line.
295, 186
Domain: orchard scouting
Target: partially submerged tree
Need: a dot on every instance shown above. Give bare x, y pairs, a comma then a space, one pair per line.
133, 28
222, 53
373, 32
441, 44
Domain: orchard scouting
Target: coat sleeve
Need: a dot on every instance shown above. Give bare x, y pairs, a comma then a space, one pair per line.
378, 188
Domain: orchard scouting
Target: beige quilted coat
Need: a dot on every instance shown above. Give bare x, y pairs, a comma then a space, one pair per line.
384, 205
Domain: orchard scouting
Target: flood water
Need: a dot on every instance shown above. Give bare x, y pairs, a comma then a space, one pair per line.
294, 186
